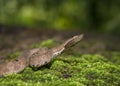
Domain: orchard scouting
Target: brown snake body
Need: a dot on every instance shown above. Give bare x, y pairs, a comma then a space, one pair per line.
36, 57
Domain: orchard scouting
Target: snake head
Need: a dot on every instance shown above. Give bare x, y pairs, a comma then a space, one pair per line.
72, 41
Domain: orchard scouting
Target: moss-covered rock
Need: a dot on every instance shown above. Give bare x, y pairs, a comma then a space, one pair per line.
91, 70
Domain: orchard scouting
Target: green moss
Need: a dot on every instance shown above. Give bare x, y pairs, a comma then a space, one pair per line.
113, 57
13, 55
91, 70
46, 43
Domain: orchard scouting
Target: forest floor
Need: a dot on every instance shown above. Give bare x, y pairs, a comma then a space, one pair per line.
20, 38
95, 61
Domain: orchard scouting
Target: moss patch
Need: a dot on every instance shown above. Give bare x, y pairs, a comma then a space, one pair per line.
13, 55
91, 70
46, 43
113, 56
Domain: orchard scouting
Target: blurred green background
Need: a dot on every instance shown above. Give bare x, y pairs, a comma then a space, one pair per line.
88, 15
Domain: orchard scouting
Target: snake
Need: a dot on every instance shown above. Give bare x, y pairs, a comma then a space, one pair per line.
36, 57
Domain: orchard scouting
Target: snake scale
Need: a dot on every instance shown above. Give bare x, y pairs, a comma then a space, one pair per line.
36, 57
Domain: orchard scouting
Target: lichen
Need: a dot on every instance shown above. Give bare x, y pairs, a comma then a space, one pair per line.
68, 70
